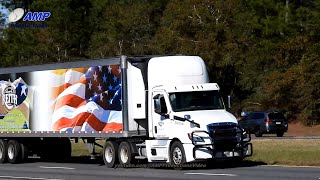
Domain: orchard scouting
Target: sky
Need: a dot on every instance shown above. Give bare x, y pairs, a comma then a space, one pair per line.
4, 11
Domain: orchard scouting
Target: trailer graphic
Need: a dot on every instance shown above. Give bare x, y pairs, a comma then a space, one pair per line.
158, 108
81, 99
87, 99
14, 111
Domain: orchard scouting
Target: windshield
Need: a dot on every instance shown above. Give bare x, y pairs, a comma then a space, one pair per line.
196, 100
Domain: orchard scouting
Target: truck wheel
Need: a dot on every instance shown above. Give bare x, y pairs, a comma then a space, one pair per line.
280, 134
125, 153
110, 154
3, 150
14, 152
177, 155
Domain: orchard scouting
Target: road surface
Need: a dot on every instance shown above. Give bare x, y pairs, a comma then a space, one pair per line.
92, 170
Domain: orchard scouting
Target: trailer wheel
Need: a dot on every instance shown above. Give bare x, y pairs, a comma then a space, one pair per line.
177, 154
3, 150
14, 152
24, 152
125, 153
110, 154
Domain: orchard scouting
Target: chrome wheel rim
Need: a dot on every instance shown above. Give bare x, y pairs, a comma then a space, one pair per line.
10, 151
108, 154
177, 155
1, 151
124, 155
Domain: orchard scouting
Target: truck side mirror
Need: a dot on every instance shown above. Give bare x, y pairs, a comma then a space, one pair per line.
157, 106
160, 105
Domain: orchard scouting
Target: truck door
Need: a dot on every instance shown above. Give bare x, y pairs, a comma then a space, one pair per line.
160, 116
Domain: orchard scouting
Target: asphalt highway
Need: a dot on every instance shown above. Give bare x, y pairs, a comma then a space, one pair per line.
80, 169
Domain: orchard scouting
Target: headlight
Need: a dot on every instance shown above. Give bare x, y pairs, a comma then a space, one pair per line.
198, 139
195, 138
245, 136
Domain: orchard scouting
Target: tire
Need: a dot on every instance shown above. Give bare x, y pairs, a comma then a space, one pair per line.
110, 154
14, 152
125, 153
3, 151
280, 134
258, 133
24, 152
177, 155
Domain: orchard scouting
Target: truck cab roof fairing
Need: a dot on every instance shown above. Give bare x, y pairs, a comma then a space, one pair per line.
176, 70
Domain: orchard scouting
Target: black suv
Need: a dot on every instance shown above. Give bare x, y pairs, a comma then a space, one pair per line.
260, 123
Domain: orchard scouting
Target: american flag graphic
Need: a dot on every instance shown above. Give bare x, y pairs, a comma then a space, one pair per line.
87, 99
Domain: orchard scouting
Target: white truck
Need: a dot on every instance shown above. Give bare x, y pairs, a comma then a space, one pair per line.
157, 108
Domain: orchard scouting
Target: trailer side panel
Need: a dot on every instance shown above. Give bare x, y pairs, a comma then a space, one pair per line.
74, 100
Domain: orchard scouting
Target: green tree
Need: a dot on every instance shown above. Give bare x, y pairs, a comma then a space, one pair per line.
125, 27
284, 38
68, 33
264, 53
214, 30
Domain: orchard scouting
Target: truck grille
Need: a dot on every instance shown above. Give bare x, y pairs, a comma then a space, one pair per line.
224, 136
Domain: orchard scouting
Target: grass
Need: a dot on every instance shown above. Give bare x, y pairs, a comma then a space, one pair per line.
80, 148
298, 152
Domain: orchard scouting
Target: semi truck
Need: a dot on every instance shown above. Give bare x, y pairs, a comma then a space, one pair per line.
157, 108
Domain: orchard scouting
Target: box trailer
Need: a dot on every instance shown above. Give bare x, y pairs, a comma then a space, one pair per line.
158, 108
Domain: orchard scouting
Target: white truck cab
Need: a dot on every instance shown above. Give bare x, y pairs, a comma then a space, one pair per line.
187, 118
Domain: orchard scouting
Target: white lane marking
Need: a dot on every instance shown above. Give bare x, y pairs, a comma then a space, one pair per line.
291, 166
52, 167
211, 174
29, 178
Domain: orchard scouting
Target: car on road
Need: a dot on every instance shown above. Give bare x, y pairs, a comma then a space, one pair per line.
260, 123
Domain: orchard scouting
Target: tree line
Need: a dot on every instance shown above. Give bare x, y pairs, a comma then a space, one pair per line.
262, 52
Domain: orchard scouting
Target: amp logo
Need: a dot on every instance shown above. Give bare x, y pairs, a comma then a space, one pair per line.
36, 16
19, 13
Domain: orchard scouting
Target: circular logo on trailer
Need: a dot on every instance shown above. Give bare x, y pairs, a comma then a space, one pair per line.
9, 97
